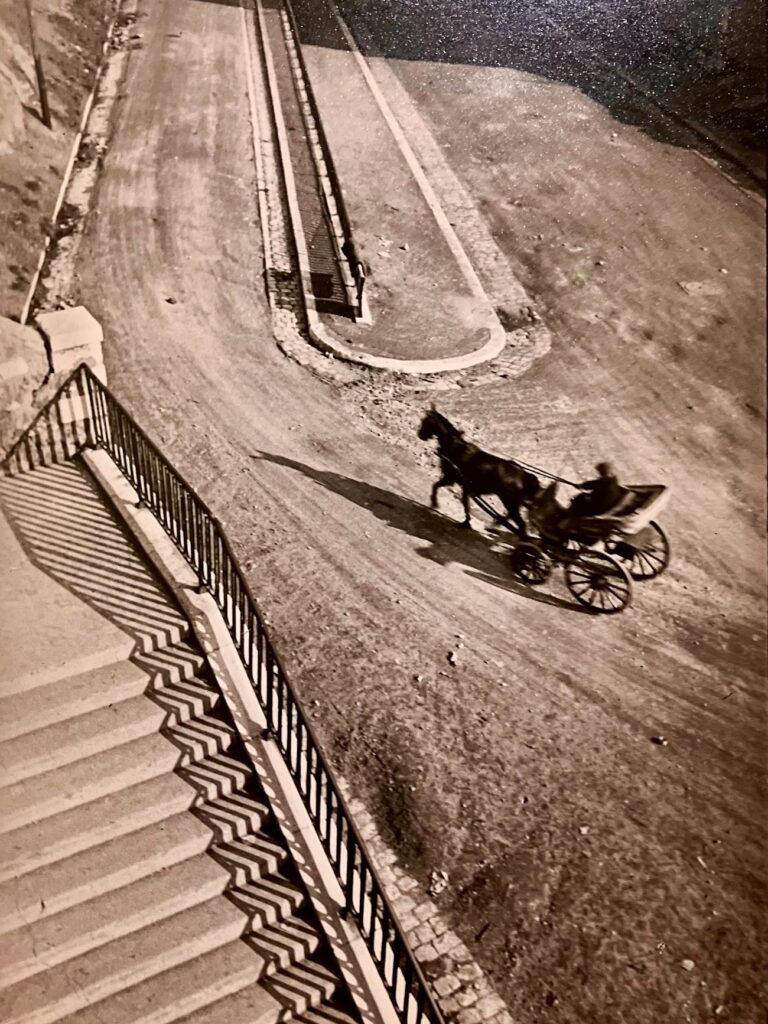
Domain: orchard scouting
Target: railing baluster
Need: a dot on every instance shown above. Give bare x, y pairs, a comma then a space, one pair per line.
51, 438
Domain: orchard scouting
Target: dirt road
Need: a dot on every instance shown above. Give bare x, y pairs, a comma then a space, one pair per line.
585, 862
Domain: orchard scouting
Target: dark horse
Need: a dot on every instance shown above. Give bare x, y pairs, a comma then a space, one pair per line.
477, 472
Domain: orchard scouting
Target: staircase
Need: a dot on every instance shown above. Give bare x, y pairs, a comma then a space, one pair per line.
143, 878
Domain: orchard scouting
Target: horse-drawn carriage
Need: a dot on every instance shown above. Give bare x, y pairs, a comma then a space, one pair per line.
601, 554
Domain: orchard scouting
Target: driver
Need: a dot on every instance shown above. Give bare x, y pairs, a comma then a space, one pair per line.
598, 495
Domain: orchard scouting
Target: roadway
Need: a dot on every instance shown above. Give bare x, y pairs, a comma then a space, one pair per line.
585, 862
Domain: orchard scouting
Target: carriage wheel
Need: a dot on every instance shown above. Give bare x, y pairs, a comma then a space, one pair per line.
599, 581
647, 563
531, 563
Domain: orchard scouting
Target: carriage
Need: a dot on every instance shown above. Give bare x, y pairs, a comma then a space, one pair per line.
601, 555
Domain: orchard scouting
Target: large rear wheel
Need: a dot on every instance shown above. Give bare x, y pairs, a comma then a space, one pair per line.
599, 582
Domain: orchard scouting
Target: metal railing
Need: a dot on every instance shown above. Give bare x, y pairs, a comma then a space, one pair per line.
84, 413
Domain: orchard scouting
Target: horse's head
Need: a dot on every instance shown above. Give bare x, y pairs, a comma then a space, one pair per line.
427, 427
434, 424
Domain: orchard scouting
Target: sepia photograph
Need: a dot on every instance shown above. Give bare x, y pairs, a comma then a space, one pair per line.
383, 559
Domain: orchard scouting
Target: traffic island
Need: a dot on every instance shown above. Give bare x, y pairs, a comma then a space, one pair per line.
428, 308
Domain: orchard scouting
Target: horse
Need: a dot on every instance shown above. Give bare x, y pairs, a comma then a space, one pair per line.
477, 472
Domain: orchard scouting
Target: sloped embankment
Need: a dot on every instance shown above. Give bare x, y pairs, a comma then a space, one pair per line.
70, 35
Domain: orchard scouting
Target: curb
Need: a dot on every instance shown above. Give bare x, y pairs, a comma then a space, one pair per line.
328, 343
78, 140
322, 337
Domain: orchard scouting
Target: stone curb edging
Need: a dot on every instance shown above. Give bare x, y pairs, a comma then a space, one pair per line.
323, 338
349, 948
463, 992
77, 143
327, 342
320, 153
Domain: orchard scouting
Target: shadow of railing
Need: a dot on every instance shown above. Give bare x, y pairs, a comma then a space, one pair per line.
67, 532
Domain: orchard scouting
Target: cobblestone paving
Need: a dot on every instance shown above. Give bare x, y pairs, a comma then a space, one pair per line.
463, 993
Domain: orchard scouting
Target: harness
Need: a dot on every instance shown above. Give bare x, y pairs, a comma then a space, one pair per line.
521, 465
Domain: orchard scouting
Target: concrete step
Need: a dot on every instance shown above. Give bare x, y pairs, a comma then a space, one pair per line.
267, 900
227, 984
52, 940
95, 731
65, 990
101, 869
248, 849
108, 772
121, 861
212, 786
287, 942
327, 1013
57, 701
282, 997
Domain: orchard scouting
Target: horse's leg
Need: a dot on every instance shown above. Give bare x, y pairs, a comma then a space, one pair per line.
513, 511
467, 524
444, 481
447, 479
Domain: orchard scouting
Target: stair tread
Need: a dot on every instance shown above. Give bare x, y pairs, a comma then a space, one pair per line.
63, 743
93, 732
49, 940
278, 998
77, 694
327, 1013
88, 824
99, 973
267, 852
91, 777
193, 989
99, 869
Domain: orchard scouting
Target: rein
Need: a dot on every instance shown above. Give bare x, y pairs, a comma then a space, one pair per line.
543, 472
515, 462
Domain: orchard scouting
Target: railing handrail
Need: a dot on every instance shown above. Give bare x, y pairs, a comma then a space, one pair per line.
108, 424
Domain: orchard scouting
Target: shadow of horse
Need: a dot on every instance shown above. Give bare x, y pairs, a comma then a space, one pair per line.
446, 542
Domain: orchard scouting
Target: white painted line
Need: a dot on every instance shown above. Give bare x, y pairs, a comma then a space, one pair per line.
404, 146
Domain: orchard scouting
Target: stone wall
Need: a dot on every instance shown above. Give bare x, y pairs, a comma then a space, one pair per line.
23, 369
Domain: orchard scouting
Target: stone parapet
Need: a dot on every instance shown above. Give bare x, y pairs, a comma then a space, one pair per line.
73, 336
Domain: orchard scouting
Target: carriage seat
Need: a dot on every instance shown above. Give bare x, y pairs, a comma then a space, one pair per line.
627, 503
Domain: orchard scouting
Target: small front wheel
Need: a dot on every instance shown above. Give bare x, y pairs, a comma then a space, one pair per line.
531, 563
599, 582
